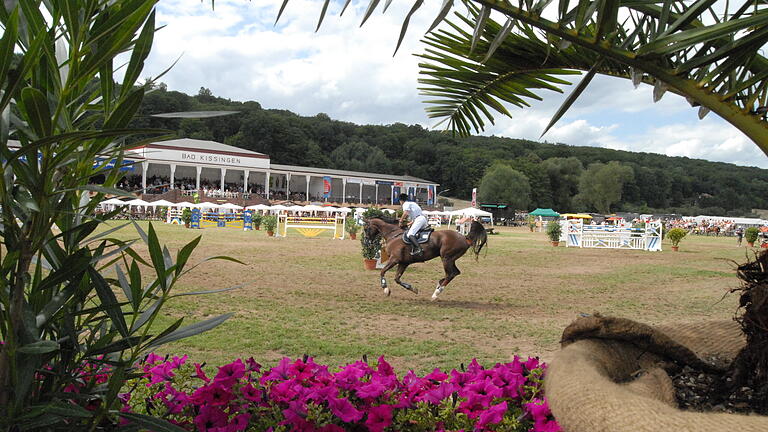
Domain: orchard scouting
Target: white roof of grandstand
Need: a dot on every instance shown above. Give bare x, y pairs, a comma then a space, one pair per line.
357, 174
196, 144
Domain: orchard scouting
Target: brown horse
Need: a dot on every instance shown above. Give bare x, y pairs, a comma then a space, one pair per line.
447, 244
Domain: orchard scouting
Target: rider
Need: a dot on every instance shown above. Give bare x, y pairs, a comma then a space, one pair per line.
412, 211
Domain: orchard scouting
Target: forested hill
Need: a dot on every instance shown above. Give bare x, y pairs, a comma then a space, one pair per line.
563, 177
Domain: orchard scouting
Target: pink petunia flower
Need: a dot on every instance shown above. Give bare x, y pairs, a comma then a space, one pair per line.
210, 417
493, 415
437, 375
230, 373
379, 418
371, 390
251, 393
440, 393
343, 409
200, 373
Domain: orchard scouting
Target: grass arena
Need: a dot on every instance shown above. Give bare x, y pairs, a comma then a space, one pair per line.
312, 296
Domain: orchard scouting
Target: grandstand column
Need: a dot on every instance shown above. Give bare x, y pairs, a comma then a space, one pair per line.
288, 186
199, 169
173, 174
144, 168
309, 178
343, 189
376, 195
266, 184
361, 191
245, 181
223, 174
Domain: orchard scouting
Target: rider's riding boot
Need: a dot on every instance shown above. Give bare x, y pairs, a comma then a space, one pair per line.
415, 247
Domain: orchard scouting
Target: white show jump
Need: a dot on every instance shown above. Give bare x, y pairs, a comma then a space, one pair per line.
576, 234
310, 226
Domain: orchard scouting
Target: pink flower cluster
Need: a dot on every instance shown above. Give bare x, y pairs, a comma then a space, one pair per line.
301, 395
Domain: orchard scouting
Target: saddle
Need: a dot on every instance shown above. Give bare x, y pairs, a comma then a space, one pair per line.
422, 236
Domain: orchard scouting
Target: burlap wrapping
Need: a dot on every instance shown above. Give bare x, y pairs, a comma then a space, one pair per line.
607, 376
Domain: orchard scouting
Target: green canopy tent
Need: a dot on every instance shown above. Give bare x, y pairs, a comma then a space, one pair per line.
544, 212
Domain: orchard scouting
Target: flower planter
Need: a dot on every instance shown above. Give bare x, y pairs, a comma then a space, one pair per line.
257, 228
186, 225
555, 243
607, 376
353, 236
271, 233
751, 244
369, 264
675, 248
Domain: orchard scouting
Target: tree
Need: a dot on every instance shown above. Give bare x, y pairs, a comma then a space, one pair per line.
564, 175
503, 184
359, 156
600, 186
705, 51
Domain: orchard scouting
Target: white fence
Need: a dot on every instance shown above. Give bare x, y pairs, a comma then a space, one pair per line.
576, 234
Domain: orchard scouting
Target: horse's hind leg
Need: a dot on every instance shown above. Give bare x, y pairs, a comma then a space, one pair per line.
386, 268
451, 271
400, 270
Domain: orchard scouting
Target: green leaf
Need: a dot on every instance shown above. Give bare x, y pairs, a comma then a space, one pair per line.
416, 5
280, 12
35, 105
183, 255
444, 9
573, 96
152, 423
371, 7
140, 53
322, 15
109, 302
191, 330
116, 346
39, 347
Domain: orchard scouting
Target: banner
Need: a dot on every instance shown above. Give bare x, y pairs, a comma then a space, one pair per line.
384, 182
369, 182
353, 180
412, 193
395, 194
431, 195
474, 197
326, 187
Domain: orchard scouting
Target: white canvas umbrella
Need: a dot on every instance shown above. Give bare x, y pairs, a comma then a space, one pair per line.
206, 205
257, 207
137, 202
343, 210
114, 201
161, 203
313, 207
230, 206
184, 204
277, 208
296, 208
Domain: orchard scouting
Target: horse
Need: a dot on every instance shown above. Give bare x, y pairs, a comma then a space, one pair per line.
447, 244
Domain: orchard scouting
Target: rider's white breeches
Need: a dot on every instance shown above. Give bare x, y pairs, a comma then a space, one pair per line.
418, 223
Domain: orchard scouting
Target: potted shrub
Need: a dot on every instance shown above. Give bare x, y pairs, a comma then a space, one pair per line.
269, 222
256, 219
186, 216
352, 227
675, 235
553, 232
531, 222
369, 249
750, 235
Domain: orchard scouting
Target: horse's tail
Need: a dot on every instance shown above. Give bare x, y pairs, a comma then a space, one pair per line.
478, 238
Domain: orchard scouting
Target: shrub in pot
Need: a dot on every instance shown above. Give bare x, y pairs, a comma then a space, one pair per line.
675, 235
186, 216
269, 222
369, 248
352, 227
531, 222
553, 232
750, 235
257, 219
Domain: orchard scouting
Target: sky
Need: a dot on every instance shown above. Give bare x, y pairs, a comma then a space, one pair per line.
349, 73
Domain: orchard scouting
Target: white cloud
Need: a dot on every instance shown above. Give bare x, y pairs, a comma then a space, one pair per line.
349, 73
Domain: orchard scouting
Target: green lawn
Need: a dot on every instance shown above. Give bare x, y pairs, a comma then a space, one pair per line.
312, 296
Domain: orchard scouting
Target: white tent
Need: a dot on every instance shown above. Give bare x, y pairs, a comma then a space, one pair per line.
472, 212
258, 207
230, 206
161, 203
114, 201
315, 208
296, 208
184, 204
206, 205
343, 210
137, 202
277, 208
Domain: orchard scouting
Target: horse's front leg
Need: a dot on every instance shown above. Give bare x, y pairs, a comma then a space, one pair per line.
400, 270
387, 266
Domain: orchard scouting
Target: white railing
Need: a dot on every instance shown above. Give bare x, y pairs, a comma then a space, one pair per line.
576, 234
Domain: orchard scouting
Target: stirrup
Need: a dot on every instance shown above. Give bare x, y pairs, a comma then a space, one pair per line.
415, 251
